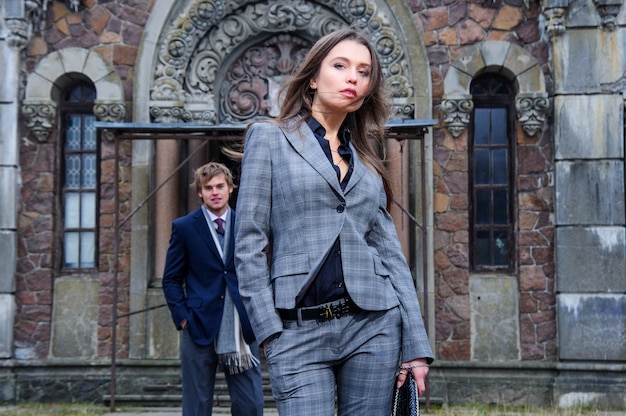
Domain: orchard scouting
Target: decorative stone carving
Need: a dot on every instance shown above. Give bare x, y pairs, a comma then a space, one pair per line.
111, 111
18, 33
39, 116
608, 11
531, 111
190, 71
457, 112
555, 21
162, 113
251, 85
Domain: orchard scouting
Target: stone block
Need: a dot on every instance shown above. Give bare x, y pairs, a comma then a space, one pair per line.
75, 323
519, 61
96, 68
40, 88
589, 126
494, 53
494, 318
8, 248
457, 82
109, 88
7, 385
9, 201
586, 192
7, 319
73, 59
580, 64
582, 13
590, 389
470, 62
50, 67
591, 259
163, 336
9, 143
9, 83
531, 80
592, 327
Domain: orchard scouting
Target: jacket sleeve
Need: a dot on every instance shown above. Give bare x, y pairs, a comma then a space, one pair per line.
174, 276
384, 238
252, 232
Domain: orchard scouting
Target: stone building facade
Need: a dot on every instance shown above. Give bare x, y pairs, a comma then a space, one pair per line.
506, 148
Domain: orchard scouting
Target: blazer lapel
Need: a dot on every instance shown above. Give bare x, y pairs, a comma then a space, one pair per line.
359, 170
231, 241
305, 144
202, 227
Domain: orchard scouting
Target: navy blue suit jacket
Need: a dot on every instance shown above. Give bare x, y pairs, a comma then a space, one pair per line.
195, 279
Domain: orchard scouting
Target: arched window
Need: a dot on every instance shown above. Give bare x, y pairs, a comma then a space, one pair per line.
79, 182
492, 176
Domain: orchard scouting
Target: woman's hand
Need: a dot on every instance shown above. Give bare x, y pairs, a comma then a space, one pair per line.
419, 368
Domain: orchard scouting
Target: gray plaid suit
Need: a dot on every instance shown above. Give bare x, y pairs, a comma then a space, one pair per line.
290, 201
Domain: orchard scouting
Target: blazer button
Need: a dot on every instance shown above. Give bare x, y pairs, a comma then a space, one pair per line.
341, 208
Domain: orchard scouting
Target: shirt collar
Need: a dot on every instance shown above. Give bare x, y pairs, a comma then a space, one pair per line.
320, 131
213, 217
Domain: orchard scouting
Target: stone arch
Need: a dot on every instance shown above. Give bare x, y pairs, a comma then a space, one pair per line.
507, 59
54, 72
195, 44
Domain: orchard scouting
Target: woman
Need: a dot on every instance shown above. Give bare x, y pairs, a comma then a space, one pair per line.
320, 267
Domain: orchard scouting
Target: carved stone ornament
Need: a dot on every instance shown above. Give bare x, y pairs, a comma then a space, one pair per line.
608, 11
39, 116
112, 111
18, 33
207, 56
555, 21
532, 109
457, 112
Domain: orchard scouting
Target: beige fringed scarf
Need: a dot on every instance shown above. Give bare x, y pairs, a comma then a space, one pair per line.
233, 352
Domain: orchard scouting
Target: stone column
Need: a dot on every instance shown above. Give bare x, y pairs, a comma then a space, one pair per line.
9, 182
590, 212
167, 199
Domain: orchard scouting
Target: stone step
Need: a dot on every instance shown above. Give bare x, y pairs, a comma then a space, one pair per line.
171, 394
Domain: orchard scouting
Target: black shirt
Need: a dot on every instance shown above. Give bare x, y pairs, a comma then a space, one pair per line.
328, 285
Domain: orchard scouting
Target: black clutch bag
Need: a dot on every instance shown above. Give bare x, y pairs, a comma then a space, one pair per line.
405, 398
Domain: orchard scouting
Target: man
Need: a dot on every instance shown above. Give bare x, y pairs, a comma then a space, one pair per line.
201, 290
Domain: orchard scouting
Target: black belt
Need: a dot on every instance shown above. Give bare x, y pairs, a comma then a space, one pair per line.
327, 312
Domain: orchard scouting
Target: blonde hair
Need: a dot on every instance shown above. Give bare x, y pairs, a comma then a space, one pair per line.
207, 172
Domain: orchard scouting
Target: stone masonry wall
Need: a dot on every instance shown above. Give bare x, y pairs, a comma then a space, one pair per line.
448, 29
113, 30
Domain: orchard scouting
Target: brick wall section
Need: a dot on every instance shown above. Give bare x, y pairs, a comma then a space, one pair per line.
36, 248
113, 31
448, 29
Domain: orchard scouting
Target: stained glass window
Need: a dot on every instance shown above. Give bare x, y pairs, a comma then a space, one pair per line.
80, 179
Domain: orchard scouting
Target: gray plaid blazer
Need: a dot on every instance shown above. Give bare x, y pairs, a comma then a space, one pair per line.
291, 209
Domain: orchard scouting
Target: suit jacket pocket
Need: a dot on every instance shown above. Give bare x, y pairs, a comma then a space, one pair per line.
289, 274
379, 267
290, 264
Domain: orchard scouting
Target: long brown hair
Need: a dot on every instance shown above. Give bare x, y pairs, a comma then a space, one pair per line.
367, 124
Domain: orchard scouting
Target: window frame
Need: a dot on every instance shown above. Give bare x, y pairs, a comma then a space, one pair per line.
493, 101
82, 108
